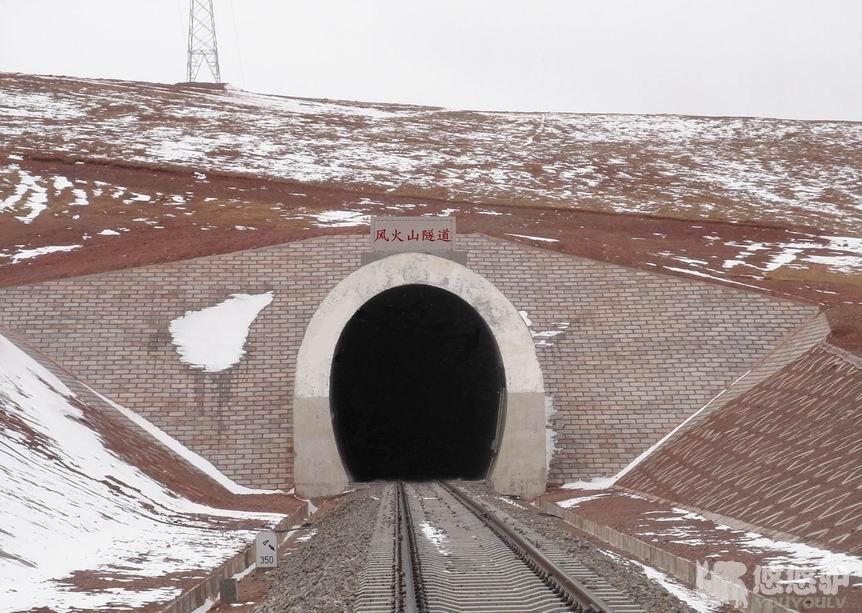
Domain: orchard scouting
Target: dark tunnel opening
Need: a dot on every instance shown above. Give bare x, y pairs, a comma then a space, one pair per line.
416, 388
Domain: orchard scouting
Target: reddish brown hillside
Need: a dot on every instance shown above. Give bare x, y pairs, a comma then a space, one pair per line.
98, 175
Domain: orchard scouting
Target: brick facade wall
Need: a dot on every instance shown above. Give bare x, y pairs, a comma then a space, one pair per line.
784, 456
117, 430
794, 344
635, 353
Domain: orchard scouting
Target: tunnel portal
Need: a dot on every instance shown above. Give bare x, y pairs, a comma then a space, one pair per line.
417, 388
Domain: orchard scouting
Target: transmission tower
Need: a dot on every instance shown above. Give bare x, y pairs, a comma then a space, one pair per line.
203, 48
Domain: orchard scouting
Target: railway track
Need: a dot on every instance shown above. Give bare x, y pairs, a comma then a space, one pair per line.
436, 548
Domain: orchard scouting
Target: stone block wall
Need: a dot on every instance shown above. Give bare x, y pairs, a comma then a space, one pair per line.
627, 355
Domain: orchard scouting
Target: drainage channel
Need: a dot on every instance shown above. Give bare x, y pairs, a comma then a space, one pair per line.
435, 548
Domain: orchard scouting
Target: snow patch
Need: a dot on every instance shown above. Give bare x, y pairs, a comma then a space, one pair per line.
36, 196
541, 338
550, 433
670, 526
80, 198
341, 219
534, 238
509, 501
842, 253
61, 183
307, 536
573, 502
28, 254
435, 536
838, 263
800, 555
199, 462
213, 339
244, 573
596, 483
709, 276
696, 600
205, 607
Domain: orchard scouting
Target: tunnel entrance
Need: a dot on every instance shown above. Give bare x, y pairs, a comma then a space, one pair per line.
417, 387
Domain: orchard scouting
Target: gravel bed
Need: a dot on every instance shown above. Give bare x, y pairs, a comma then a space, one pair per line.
321, 573
619, 573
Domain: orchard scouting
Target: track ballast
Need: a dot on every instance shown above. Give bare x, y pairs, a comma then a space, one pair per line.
435, 548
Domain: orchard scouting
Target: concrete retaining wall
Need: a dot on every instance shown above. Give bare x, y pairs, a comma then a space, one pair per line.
679, 568
193, 598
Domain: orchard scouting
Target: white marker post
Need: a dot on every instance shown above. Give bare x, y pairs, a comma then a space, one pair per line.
266, 549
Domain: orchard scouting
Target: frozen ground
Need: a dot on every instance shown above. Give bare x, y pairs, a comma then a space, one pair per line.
764, 170
32, 194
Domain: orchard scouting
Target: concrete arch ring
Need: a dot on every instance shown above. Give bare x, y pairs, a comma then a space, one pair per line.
520, 466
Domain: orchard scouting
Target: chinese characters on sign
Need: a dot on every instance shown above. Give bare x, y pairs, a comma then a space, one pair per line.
426, 234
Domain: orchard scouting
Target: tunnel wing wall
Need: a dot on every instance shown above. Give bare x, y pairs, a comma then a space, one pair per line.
626, 355
785, 456
131, 442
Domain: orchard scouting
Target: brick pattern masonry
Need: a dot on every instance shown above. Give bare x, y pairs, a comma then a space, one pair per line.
627, 355
785, 455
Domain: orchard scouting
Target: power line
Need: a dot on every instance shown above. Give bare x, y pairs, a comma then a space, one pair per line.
238, 49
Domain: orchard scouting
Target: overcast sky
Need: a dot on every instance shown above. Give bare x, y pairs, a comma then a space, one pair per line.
779, 58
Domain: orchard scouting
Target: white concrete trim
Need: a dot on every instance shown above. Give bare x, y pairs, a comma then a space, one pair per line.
314, 361
514, 341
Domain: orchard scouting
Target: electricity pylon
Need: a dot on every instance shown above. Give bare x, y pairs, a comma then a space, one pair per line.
203, 48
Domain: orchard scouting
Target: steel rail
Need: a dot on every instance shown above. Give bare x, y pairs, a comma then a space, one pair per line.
402, 603
578, 595
410, 594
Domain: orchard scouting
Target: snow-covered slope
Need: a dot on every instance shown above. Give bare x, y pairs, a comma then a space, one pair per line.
80, 527
741, 169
